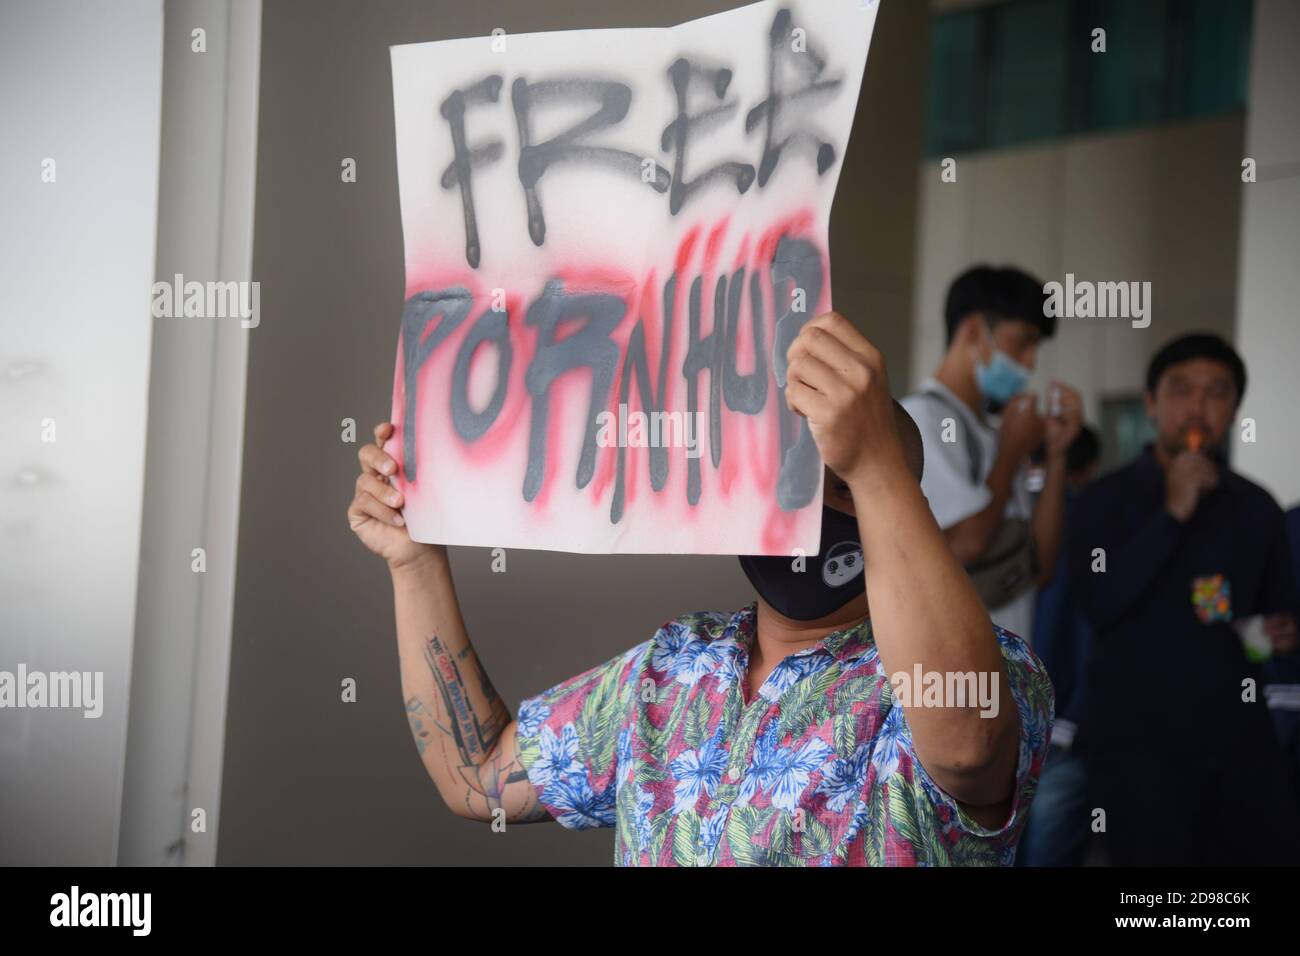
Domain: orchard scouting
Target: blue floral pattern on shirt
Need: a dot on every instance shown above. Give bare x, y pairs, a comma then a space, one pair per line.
818, 769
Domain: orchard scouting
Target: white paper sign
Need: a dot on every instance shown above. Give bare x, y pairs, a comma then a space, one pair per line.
612, 236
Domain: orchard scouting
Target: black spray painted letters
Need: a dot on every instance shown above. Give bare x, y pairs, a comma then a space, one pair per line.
431, 317
781, 115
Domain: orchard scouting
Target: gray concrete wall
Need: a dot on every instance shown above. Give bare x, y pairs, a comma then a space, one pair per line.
311, 780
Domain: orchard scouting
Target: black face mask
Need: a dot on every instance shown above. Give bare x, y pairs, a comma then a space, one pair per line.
831, 579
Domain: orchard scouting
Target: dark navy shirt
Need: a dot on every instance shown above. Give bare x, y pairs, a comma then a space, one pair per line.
1167, 664
1293, 532
1063, 638
1286, 670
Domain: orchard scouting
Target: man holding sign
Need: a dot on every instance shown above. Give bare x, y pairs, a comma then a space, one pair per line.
641, 237
833, 722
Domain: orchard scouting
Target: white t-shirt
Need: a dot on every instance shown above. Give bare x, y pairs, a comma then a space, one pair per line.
947, 481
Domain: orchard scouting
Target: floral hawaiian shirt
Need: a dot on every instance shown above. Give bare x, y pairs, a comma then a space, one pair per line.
816, 770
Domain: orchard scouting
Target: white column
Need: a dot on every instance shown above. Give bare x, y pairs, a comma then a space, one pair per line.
1268, 306
176, 740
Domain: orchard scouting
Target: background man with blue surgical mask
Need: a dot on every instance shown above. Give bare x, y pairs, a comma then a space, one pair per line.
979, 428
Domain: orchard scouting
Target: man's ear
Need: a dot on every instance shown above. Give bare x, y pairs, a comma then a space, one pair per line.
969, 329
970, 333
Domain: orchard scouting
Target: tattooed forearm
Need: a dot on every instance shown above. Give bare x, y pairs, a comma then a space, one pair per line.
422, 723
485, 685
536, 813
486, 791
460, 731
475, 735
462, 728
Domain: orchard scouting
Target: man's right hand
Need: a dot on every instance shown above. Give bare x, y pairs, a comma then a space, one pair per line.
1190, 475
373, 513
1022, 428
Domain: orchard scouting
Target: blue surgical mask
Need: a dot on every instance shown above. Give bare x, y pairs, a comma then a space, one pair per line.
1002, 379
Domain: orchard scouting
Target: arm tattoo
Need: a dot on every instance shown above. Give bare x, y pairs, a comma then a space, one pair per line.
487, 786
484, 683
417, 714
474, 738
485, 771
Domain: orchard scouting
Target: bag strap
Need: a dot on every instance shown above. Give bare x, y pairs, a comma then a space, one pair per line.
973, 452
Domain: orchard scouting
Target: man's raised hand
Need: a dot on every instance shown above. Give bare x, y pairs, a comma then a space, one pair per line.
836, 380
373, 512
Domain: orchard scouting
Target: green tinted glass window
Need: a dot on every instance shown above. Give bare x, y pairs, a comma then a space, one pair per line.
1126, 84
1026, 73
956, 96
1025, 70
1216, 47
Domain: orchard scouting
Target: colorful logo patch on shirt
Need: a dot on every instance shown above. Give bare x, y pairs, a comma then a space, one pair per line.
1212, 598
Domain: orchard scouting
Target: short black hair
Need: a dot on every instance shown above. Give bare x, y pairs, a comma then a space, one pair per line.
1001, 293
1197, 345
1084, 451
